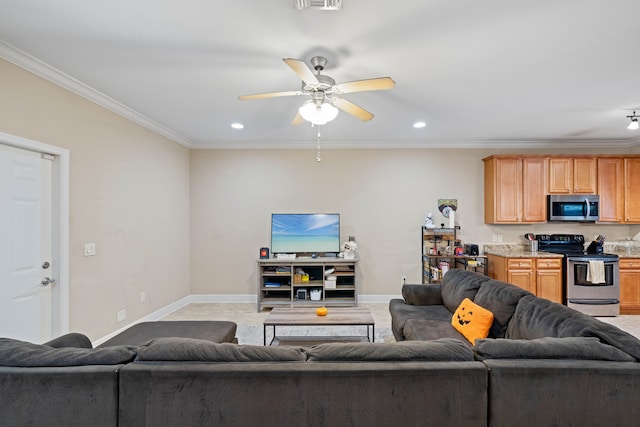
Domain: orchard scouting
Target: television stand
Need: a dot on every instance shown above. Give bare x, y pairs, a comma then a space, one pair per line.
278, 282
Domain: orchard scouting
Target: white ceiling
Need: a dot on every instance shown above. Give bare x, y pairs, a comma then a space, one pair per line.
480, 73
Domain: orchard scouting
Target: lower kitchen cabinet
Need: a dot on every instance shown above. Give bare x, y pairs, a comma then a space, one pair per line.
629, 286
549, 279
540, 276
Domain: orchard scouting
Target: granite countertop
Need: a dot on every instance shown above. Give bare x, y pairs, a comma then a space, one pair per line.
513, 250
516, 251
623, 253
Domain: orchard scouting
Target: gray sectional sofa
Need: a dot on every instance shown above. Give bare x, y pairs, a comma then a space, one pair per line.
174, 381
547, 364
543, 364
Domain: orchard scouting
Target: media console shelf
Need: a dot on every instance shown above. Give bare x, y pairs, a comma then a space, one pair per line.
280, 286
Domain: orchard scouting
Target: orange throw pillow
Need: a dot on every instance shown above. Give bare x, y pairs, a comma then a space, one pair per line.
471, 320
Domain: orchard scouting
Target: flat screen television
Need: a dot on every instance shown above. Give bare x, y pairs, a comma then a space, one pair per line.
305, 233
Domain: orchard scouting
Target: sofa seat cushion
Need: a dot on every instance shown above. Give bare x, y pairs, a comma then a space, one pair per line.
444, 349
539, 317
25, 354
141, 333
401, 313
195, 350
458, 284
577, 348
425, 330
501, 299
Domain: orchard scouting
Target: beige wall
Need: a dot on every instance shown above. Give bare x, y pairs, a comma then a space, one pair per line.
382, 196
129, 195
169, 222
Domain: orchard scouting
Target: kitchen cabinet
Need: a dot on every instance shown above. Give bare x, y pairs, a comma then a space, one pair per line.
514, 189
629, 286
611, 188
540, 276
569, 175
632, 190
549, 279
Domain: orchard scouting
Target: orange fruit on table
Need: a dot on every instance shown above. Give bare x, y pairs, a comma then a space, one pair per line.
321, 311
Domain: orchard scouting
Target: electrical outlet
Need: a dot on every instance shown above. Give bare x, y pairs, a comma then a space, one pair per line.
121, 315
143, 296
494, 238
499, 238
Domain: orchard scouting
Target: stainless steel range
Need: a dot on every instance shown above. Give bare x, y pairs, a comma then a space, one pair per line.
591, 280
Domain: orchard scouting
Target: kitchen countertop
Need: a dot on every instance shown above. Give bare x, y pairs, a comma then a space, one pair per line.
517, 251
512, 250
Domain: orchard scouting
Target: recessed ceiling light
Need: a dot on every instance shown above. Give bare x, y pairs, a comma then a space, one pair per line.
419, 125
237, 125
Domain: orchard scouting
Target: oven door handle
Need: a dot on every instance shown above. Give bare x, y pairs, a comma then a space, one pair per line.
594, 301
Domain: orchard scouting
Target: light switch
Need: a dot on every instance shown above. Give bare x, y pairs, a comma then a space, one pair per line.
89, 249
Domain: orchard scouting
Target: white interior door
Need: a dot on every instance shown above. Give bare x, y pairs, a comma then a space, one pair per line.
25, 245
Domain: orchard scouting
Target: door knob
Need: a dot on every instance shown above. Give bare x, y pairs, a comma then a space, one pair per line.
47, 281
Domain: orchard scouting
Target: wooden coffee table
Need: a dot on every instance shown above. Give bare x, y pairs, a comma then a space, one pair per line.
343, 316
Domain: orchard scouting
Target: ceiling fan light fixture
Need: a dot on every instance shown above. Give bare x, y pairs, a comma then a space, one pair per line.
318, 114
634, 125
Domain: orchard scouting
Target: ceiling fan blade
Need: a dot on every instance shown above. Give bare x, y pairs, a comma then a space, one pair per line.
298, 120
353, 109
270, 95
302, 70
380, 83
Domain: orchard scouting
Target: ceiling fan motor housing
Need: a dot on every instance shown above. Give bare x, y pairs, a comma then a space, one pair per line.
324, 83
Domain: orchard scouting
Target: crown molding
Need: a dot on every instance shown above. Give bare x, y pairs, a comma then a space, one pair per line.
331, 145
34, 65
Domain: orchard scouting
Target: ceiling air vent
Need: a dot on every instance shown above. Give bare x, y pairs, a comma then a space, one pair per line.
318, 4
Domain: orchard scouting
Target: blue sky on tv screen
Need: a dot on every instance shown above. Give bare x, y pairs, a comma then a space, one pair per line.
305, 232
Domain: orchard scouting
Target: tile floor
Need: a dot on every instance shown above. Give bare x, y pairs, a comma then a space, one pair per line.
250, 329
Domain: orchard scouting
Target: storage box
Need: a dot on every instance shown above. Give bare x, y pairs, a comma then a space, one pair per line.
330, 282
297, 278
315, 294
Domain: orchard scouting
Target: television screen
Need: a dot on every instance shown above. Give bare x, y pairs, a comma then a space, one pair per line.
305, 233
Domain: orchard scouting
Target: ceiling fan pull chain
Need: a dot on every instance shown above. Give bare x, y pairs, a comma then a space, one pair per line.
318, 158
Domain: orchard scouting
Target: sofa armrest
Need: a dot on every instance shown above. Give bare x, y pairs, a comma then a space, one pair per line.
72, 339
429, 294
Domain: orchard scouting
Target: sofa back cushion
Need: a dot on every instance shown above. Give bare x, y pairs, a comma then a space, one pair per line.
444, 349
428, 294
538, 317
25, 354
501, 299
458, 284
196, 350
574, 348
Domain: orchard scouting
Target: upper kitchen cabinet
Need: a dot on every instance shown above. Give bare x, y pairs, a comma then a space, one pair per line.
632, 190
611, 188
572, 175
514, 189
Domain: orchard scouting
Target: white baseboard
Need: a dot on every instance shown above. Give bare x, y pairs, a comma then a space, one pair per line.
220, 299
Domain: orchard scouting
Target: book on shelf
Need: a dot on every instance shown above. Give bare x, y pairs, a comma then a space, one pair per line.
272, 284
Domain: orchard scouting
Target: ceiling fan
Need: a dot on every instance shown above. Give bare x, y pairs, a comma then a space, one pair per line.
325, 93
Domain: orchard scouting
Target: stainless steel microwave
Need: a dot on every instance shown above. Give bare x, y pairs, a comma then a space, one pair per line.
577, 208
